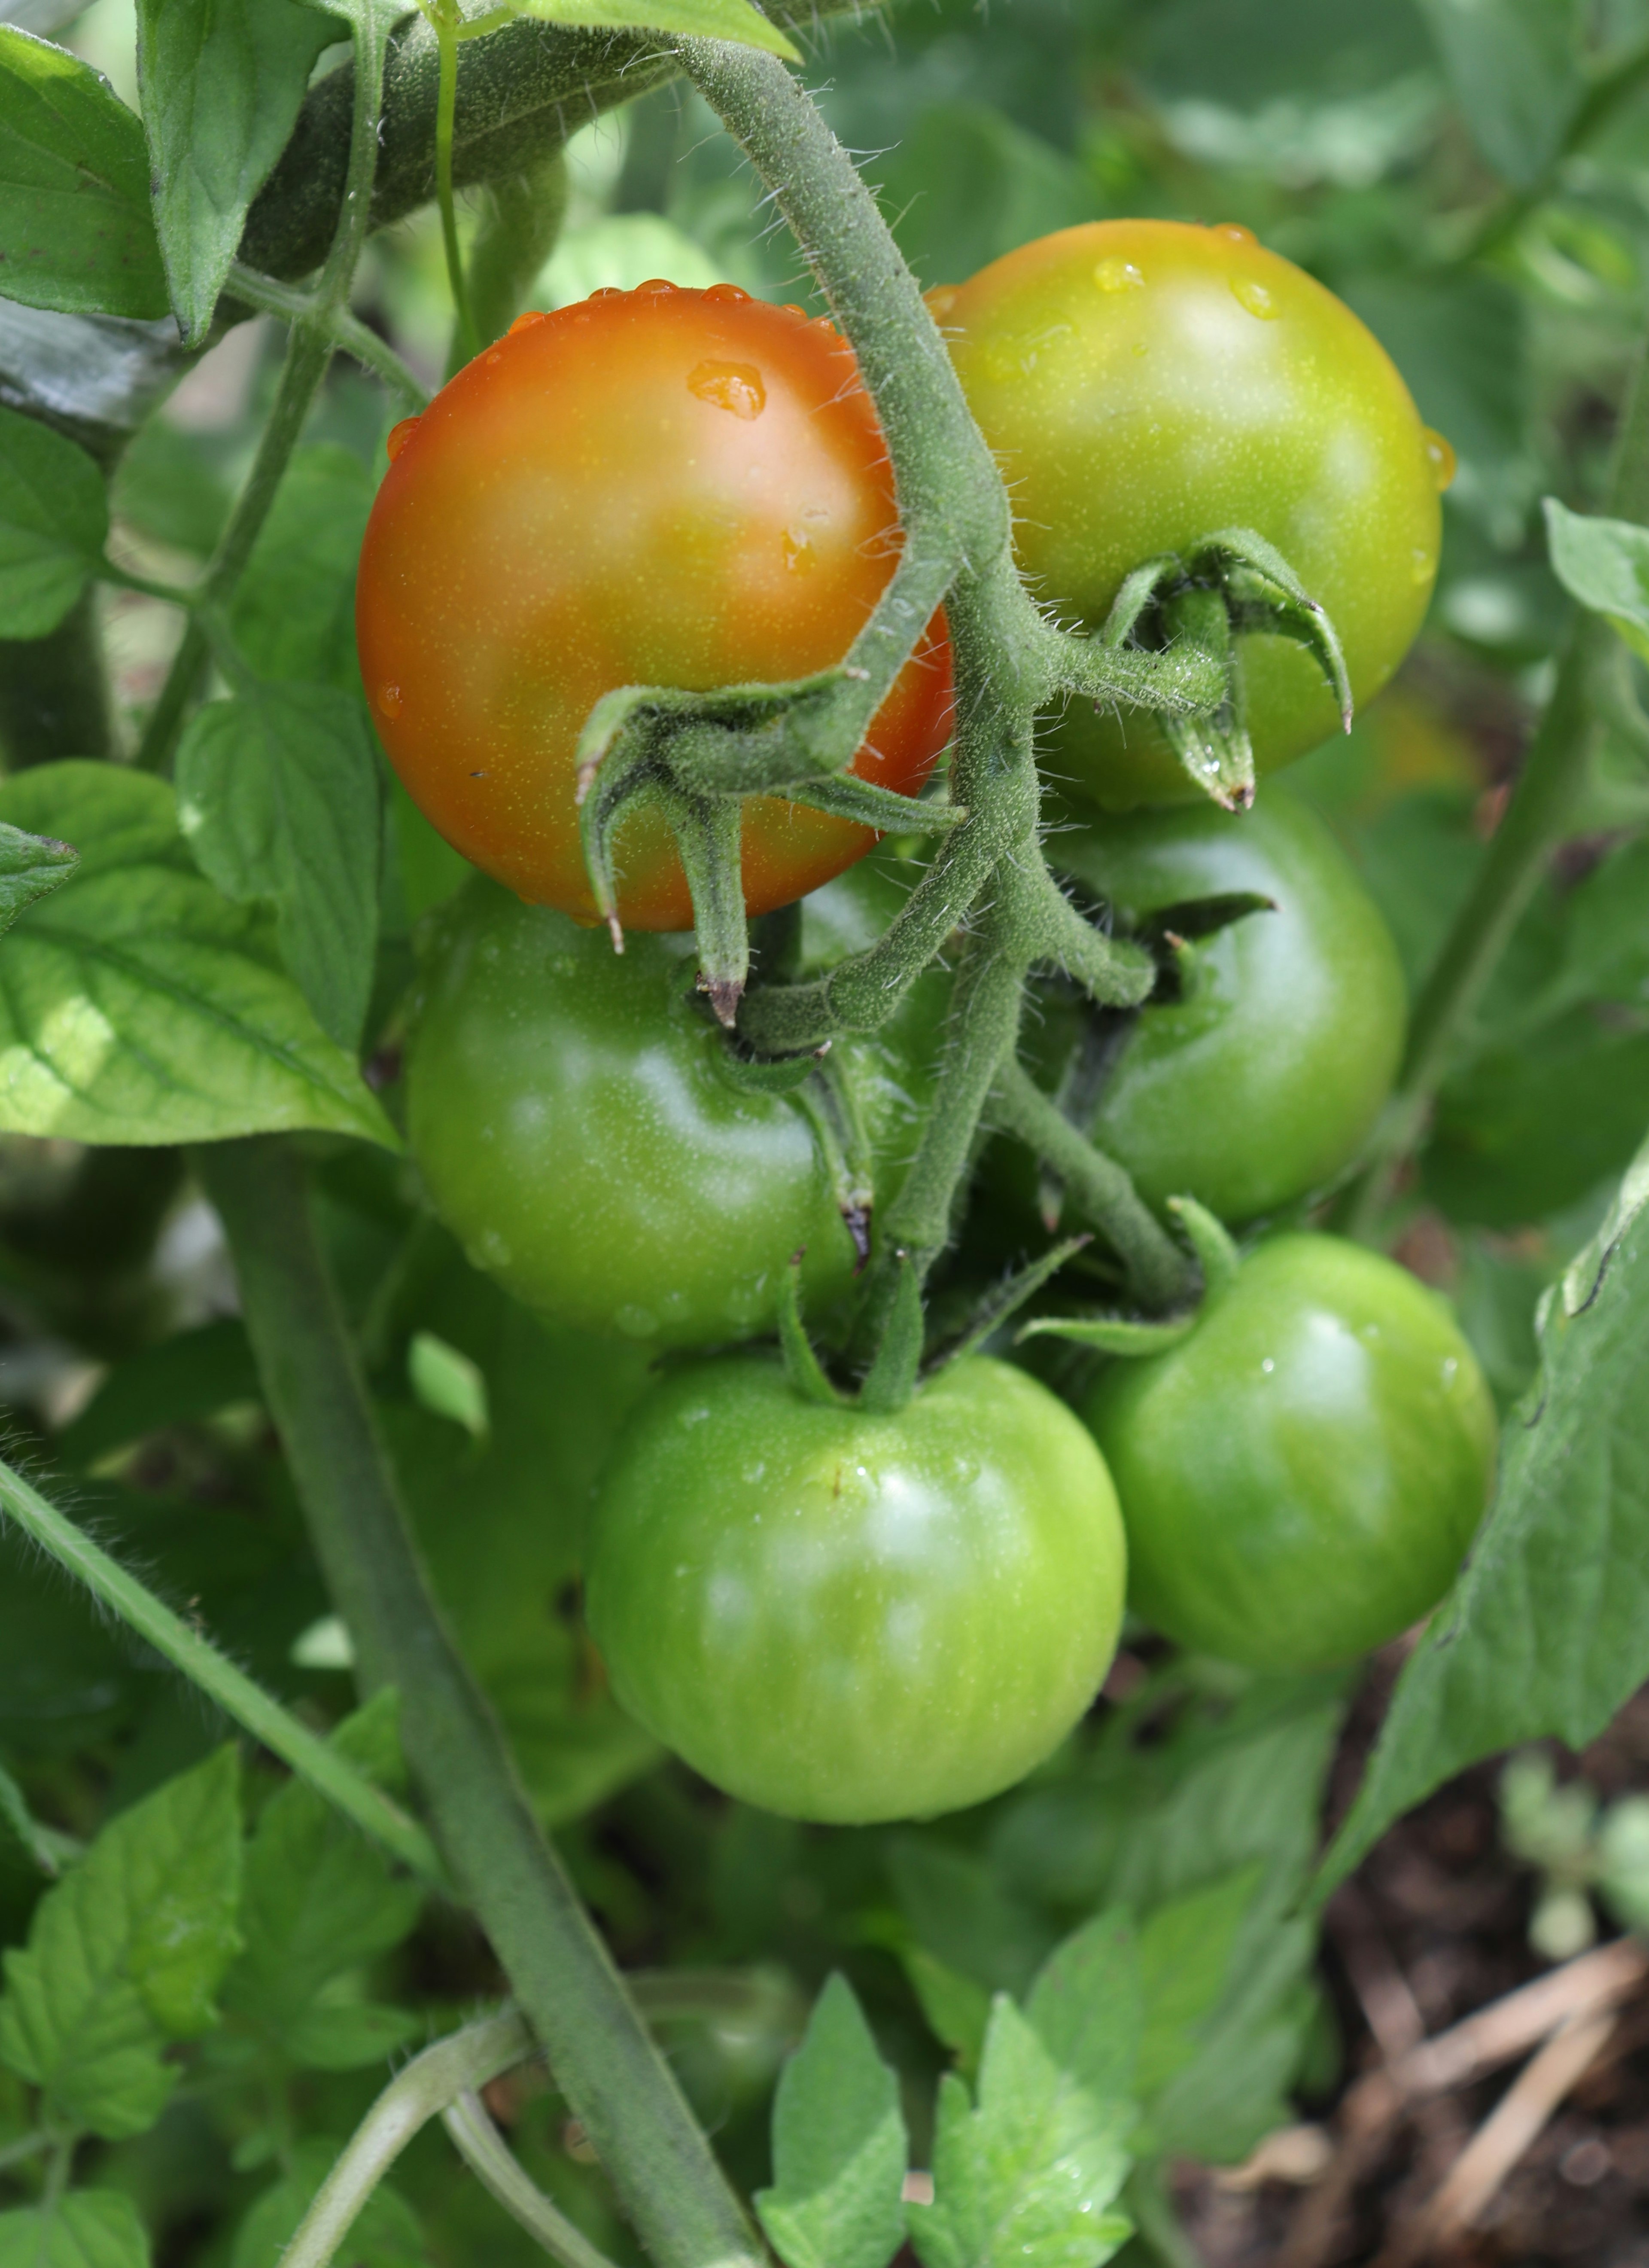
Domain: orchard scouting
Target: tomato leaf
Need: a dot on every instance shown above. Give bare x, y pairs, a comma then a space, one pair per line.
30, 867
688, 19
1514, 68
1546, 1632
279, 798
76, 232
140, 1006
1022, 2179
88, 2228
1088, 2005
839, 2146
222, 82
53, 521
1604, 563
126, 1952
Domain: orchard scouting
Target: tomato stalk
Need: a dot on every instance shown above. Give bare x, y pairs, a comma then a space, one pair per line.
444, 19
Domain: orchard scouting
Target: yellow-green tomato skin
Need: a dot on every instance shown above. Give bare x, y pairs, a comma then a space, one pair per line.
575, 1129
846, 1616
1302, 1477
1144, 384
1260, 1082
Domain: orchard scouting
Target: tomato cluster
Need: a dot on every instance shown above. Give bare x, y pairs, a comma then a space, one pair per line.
844, 1605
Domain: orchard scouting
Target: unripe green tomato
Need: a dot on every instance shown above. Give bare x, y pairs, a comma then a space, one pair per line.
848, 1617
575, 1129
1260, 1082
1146, 385
1302, 1477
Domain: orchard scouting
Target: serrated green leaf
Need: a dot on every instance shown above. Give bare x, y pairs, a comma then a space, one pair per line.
88, 2228
53, 522
385, 2235
137, 1005
348, 2035
839, 2147
75, 232
1514, 69
320, 1899
128, 1953
1546, 1631
1185, 1953
1604, 564
31, 866
222, 82
691, 20
293, 614
1023, 2179
957, 2007
278, 798
1088, 2005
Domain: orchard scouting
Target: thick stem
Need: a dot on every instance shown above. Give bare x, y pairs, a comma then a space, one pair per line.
465, 345
328, 1772
604, 2060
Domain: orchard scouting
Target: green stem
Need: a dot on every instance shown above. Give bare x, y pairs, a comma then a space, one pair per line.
423, 2091
234, 1692
603, 2057
1537, 817
31, 2146
465, 345
293, 304
482, 2148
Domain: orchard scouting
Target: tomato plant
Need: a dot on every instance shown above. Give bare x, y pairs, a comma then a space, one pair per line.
843, 1615
657, 487
1146, 383
1300, 1477
1258, 1080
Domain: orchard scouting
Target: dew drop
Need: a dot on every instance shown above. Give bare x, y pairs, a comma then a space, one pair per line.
1117, 275
1450, 1365
389, 701
1441, 458
799, 552
1422, 565
398, 436
525, 322
725, 293
797, 314
941, 299
1268, 1364
1233, 232
608, 292
656, 287
735, 387
1255, 298
494, 355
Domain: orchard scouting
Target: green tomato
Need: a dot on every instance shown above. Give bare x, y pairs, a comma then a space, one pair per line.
849, 1617
1262, 1080
1302, 1477
1146, 385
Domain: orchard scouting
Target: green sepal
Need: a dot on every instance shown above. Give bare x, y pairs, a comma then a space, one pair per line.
1121, 1334
1264, 593
884, 808
1214, 748
709, 832
1191, 918
891, 1379
755, 1074
1006, 1300
838, 1127
1210, 1241
802, 1365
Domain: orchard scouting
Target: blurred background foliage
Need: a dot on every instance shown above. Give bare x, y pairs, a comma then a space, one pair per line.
1482, 198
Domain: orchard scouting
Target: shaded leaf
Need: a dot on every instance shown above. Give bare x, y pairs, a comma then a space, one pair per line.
75, 232
278, 798
1514, 69
53, 521
193, 1374
136, 1005
1604, 563
839, 2146
88, 2228
691, 19
31, 866
221, 81
1088, 2005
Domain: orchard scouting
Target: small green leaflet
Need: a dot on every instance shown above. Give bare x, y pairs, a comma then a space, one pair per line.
1088, 2005
1546, 1631
222, 83
839, 2146
278, 798
448, 1383
76, 232
1023, 2179
126, 1952
31, 866
320, 1900
140, 1006
53, 522
1604, 563
683, 19
88, 2228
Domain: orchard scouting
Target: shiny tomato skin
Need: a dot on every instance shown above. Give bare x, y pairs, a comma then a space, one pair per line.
657, 487
851, 1617
1145, 384
1260, 1084
1302, 1477
575, 1129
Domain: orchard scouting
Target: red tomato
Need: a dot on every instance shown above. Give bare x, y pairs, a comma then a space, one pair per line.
655, 487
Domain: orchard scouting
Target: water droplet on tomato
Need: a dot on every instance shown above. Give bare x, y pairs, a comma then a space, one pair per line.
1422, 565
798, 551
735, 387
1268, 1364
494, 355
1441, 457
655, 287
1117, 275
608, 292
797, 314
1233, 232
941, 299
1254, 296
525, 322
389, 701
725, 291
398, 436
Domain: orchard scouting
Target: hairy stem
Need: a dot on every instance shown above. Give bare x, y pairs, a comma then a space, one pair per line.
329, 1774
604, 2060
482, 2148
464, 341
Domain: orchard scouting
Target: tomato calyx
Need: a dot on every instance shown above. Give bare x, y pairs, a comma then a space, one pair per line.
1136, 1336
1231, 585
